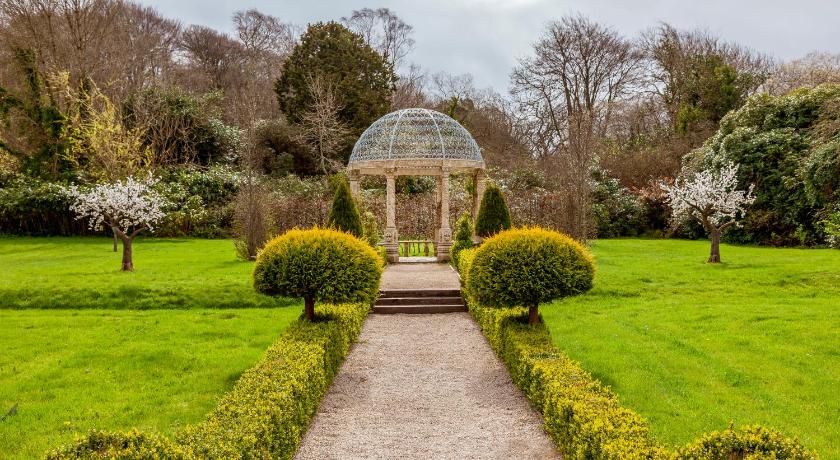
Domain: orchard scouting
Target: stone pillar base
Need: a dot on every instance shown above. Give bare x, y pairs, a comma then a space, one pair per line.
392, 245
444, 242
442, 252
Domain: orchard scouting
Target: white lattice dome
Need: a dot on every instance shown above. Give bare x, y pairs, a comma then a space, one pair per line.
416, 136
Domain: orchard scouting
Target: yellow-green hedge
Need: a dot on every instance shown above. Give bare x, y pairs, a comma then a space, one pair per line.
131, 445
321, 263
582, 416
267, 411
529, 266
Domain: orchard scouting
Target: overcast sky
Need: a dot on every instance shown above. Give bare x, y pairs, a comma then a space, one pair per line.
485, 37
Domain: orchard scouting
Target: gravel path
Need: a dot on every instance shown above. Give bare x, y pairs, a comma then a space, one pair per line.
424, 387
419, 276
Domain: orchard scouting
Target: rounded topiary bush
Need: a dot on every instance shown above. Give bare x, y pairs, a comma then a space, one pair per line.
526, 267
318, 265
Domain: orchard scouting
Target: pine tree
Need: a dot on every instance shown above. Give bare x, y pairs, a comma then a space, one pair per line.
493, 214
344, 214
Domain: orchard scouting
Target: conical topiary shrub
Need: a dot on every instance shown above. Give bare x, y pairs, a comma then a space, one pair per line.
344, 214
463, 238
493, 214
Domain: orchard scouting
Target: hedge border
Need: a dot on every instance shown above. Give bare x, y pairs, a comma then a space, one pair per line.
269, 408
582, 416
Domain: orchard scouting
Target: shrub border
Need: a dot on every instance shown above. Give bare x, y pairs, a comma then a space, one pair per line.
269, 408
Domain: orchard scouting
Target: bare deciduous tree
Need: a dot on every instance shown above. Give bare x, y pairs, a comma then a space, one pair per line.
813, 69
384, 31
321, 126
567, 93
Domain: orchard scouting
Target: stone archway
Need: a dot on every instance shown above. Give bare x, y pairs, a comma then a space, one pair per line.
417, 142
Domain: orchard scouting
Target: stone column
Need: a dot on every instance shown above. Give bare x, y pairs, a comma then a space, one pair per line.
392, 248
480, 183
444, 232
438, 187
353, 176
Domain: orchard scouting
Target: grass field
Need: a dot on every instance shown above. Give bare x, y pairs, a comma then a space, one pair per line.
72, 370
85, 273
693, 347
87, 346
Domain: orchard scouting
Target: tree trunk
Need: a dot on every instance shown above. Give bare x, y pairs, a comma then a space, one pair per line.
533, 317
127, 262
714, 256
115, 240
309, 308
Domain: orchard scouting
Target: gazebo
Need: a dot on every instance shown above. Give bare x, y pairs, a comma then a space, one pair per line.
417, 142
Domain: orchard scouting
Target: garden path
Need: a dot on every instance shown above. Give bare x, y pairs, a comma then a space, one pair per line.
424, 386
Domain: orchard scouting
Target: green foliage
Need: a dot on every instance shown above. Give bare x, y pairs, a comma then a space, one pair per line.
711, 90
131, 445
493, 213
183, 128
361, 77
266, 414
787, 147
463, 238
465, 260
320, 264
750, 442
344, 213
584, 417
30, 206
41, 130
282, 149
617, 211
371, 229
831, 227
527, 267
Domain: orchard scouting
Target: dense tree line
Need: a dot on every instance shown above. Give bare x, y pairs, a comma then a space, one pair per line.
97, 90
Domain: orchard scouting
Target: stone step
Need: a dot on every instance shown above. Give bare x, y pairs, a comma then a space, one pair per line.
418, 309
454, 300
419, 293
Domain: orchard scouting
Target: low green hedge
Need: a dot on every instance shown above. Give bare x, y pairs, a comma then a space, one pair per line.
129, 445
266, 413
582, 416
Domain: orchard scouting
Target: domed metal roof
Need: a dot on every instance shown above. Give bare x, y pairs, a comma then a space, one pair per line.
414, 135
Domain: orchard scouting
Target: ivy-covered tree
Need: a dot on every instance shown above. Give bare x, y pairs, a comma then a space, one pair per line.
344, 214
359, 75
493, 213
38, 135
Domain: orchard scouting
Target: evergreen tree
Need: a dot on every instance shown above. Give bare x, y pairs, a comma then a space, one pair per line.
493, 214
361, 77
344, 214
463, 237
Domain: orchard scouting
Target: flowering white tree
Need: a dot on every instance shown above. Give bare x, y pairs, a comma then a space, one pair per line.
128, 207
710, 197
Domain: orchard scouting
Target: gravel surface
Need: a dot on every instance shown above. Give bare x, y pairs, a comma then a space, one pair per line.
424, 387
419, 276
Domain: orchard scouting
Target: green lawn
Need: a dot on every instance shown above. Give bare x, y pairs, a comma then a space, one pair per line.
72, 370
87, 346
85, 273
693, 346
